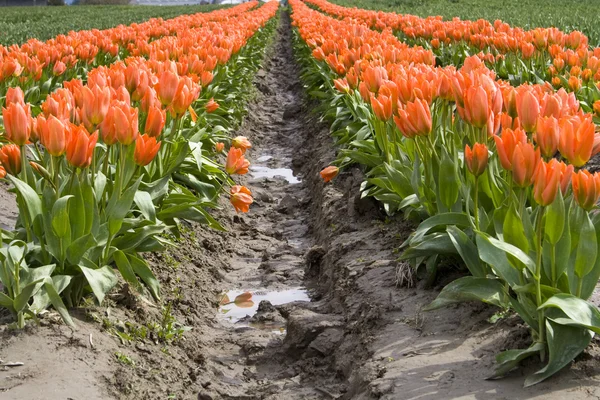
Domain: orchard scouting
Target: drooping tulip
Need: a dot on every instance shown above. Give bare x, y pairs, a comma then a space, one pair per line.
17, 123
476, 159
10, 158
211, 106
80, 146
330, 172
155, 122
146, 148
586, 188
546, 182
236, 163
241, 198
241, 142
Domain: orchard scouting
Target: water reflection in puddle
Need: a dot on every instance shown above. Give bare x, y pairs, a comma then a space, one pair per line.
236, 305
259, 171
264, 158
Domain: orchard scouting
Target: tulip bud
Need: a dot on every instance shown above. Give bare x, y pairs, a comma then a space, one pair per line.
476, 159
10, 158
329, 173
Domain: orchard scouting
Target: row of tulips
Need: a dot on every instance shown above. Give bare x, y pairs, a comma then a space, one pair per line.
40, 67
107, 169
542, 54
495, 173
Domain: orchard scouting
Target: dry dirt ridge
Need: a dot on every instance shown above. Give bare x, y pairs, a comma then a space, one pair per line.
361, 337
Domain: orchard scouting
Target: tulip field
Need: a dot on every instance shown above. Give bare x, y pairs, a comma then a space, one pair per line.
479, 134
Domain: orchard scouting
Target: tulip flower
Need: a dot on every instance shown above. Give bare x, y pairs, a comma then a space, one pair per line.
241, 142
211, 106
506, 144
166, 88
59, 68
219, 147
236, 163
576, 141
146, 148
329, 173
524, 163
155, 122
17, 123
528, 108
53, 135
10, 158
414, 119
124, 120
80, 146
16, 95
382, 107
586, 188
477, 106
95, 105
342, 85
546, 181
476, 159
187, 92
597, 107
241, 198
2, 172
546, 136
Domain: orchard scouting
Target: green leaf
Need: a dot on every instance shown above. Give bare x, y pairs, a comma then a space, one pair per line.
60, 216
101, 280
445, 219
79, 247
119, 207
22, 299
580, 313
436, 243
449, 183
510, 359
142, 269
587, 248
467, 250
513, 230
6, 301
125, 268
555, 219
57, 302
492, 252
564, 344
144, 202
30, 197
470, 288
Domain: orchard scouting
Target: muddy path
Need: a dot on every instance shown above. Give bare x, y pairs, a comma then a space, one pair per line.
343, 317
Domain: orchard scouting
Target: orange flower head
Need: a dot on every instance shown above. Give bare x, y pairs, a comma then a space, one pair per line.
126, 122
329, 173
241, 142
382, 107
2, 172
53, 135
241, 198
59, 68
15, 95
95, 105
146, 148
80, 146
505, 145
546, 181
187, 92
219, 147
414, 119
17, 123
155, 122
597, 107
586, 188
236, 163
10, 158
524, 163
528, 108
342, 85
166, 88
546, 136
211, 106
576, 140
476, 159
477, 106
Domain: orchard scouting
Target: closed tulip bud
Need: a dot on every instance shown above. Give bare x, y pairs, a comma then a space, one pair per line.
329, 173
576, 140
342, 85
166, 88
546, 182
206, 78
586, 188
95, 104
236, 163
219, 147
505, 145
15, 95
528, 108
476, 159
547, 135
10, 158
510, 102
80, 146
126, 123
477, 106
524, 163
211, 106
241, 198
53, 135
241, 142
17, 123
146, 148
382, 107
155, 122
59, 68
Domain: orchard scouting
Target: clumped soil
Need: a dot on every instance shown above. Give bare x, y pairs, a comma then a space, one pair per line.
362, 336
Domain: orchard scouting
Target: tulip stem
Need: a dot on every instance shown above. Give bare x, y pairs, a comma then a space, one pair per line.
476, 203
24, 163
538, 285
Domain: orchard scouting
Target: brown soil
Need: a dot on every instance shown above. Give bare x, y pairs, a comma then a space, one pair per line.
363, 335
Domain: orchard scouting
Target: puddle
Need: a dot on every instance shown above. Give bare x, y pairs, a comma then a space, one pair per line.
264, 158
259, 171
240, 304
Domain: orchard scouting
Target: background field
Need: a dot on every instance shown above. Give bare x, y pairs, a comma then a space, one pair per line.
566, 15
18, 24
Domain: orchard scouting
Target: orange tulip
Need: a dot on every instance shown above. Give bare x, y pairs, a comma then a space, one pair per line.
382, 107
342, 85
329, 173
586, 188
211, 106
80, 146
241, 198
155, 122
166, 88
528, 108
241, 142
146, 148
597, 107
546, 182
53, 135
524, 163
236, 163
59, 68
206, 78
414, 119
187, 92
547, 136
219, 147
476, 159
506, 144
125, 120
95, 105
10, 158
17, 123
16, 95
2, 172
576, 139
477, 109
